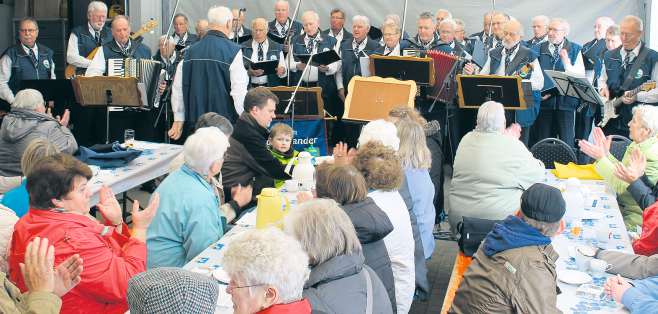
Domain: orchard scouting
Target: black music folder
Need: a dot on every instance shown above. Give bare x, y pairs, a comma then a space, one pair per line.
276, 38
322, 58
58, 90
269, 66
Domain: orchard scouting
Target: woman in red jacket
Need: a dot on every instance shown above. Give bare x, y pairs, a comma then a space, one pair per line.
59, 211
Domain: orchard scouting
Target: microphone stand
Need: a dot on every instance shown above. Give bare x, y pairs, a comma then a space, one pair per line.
289, 38
291, 101
404, 19
487, 45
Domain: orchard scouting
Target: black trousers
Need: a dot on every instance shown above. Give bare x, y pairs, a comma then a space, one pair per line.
556, 123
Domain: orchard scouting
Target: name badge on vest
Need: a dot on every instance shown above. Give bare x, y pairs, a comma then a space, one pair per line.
639, 74
272, 58
46, 64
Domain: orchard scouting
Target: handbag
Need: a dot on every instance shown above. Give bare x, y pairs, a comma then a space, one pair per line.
472, 232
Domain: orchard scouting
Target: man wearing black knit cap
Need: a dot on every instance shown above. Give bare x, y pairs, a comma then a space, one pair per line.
513, 271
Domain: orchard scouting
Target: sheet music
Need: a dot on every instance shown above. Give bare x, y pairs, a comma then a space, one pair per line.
365, 66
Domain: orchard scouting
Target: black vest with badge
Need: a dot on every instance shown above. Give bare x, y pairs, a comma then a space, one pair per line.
87, 42
23, 68
618, 74
273, 53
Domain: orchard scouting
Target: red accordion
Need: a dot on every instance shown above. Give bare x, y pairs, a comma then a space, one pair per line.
444, 65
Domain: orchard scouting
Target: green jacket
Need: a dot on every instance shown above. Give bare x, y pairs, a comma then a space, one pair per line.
12, 301
630, 210
284, 159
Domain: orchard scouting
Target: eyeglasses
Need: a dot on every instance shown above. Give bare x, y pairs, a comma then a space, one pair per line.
30, 30
232, 286
550, 29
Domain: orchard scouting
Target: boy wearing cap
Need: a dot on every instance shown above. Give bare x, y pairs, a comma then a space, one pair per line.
513, 271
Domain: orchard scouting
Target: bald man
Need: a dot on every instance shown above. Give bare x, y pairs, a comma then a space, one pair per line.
593, 60
557, 113
238, 23
539, 31
515, 59
626, 68
486, 27
282, 24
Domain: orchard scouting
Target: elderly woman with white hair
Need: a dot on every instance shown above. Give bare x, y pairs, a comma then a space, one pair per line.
267, 271
340, 281
189, 219
492, 168
27, 121
643, 129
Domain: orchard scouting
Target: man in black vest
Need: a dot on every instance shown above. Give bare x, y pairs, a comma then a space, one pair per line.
282, 25
351, 52
539, 30
169, 57
260, 49
514, 59
337, 28
182, 36
427, 37
85, 38
120, 47
211, 78
625, 69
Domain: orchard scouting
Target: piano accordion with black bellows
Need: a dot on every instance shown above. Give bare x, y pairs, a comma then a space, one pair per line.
147, 72
445, 87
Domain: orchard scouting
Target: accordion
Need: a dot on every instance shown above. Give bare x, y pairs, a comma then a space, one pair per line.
147, 73
445, 87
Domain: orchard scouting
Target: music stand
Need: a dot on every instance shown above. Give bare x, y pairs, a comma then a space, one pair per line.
419, 70
577, 87
107, 91
474, 90
308, 101
373, 97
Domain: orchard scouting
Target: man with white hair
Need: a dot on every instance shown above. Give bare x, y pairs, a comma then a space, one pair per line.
514, 59
260, 49
312, 41
625, 69
442, 14
27, 121
169, 57
593, 60
86, 38
486, 32
212, 77
558, 113
283, 26
447, 43
351, 52
539, 30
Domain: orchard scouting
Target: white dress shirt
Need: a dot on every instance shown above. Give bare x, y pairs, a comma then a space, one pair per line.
73, 56
5, 73
392, 52
312, 74
644, 97
260, 80
240, 33
239, 82
177, 38
282, 29
577, 69
536, 78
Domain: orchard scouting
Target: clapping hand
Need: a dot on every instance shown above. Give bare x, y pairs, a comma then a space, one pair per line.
635, 169
513, 130
599, 148
342, 155
39, 274
109, 206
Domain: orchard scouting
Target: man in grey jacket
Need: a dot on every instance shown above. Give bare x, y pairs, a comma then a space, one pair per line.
27, 121
513, 271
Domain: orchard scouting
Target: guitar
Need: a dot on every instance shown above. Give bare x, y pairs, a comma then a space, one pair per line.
69, 72
610, 106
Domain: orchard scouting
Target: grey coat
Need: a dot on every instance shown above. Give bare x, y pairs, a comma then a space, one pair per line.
20, 127
372, 225
338, 286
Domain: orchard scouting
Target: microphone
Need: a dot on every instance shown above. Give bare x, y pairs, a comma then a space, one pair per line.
243, 10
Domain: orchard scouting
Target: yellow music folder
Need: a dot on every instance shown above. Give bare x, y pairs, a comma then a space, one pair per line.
571, 170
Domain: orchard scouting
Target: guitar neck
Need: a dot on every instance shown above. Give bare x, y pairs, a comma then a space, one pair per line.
618, 101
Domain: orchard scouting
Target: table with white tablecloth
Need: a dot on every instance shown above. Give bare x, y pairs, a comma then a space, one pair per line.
152, 163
